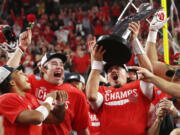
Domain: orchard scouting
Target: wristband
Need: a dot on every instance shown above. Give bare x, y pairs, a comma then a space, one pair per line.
49, 100
137, 47
152, 36
43, 110
97, 65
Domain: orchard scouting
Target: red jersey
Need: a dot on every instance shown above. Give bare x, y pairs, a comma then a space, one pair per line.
11, 104
81, 64
76, 116
159, 95
124, 110
95, 125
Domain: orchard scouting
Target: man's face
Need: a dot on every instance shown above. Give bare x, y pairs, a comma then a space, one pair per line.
54, 72
117, 76
21, 80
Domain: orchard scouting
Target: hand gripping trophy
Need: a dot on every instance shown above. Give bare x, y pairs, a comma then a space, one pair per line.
118, 49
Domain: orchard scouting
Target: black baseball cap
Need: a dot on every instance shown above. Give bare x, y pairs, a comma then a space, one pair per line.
76, 77
6, 71
48, 56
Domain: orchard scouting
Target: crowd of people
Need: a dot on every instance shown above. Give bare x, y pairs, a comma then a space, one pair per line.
55, 81
67, 29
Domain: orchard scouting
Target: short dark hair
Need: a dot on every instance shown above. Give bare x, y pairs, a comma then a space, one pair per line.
5, 86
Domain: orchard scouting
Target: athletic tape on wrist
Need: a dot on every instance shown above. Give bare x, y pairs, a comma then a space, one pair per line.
97, 65
49, 100
137, 47
152, 36
43, 110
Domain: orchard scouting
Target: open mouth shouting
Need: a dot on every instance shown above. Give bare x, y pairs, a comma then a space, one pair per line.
57, 74
114, 76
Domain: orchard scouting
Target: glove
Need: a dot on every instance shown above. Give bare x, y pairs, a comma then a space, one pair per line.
8, 41
9, 47
158, 20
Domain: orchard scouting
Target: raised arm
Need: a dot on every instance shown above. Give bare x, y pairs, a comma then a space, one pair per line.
170, 88
159, 68
92, 85
24, 42
138, 49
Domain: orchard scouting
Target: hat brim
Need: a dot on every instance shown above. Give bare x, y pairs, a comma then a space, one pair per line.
58, 55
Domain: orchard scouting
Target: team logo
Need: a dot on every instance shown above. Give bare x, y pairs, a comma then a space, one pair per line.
41, 93
108, 91
38, 78
159, 92
161, 16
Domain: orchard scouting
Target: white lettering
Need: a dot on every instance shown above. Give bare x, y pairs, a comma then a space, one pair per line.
135, 92
124, 94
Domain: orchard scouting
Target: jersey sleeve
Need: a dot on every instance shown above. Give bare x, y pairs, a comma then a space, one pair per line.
10, 107
81, 119
147, 89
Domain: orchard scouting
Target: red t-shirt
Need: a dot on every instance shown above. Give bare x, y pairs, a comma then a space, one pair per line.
124, 110
81, 64
76, 116
95, 125
11, 105
159, 95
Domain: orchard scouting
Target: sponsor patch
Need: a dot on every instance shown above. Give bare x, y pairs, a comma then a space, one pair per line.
38, 78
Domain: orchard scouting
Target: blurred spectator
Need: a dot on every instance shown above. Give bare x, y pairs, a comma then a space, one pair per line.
86, 24
28, 64
80, 61
79, 31
48, 34
98, 28
18, 19
116, 11
62, 34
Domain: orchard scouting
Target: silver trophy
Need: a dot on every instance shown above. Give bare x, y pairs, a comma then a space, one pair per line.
118, 49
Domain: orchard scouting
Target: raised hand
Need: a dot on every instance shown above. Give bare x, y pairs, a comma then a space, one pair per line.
145, 74
91, 44
25, 38
98, 52
158, 20
134, 27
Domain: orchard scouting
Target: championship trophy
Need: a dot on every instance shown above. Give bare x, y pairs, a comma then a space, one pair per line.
118, 49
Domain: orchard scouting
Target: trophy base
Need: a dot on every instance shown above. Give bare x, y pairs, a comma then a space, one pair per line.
116, 48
